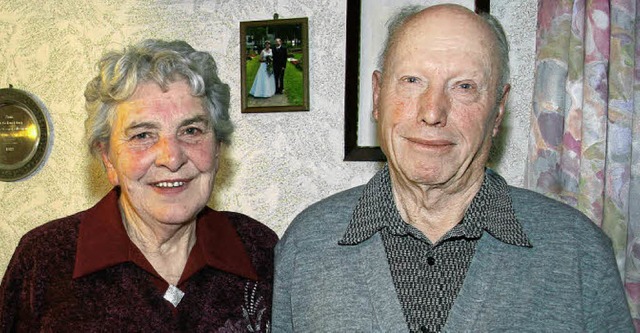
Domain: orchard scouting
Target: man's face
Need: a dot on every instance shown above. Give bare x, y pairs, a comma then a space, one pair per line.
163, 154
436, 102
278, 41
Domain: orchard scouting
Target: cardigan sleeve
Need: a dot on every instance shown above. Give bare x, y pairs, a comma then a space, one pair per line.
603, 298
282, 316
14, 290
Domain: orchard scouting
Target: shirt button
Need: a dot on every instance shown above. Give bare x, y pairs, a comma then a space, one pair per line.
431, 261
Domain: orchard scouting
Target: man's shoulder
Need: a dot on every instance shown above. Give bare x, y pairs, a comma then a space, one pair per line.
338, 201
327, 217
531, 204
541, 214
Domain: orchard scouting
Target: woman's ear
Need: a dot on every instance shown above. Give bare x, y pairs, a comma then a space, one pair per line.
108, 165
216, 156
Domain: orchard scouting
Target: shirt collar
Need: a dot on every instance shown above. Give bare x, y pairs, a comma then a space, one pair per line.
490, 210
103, 242
374, 211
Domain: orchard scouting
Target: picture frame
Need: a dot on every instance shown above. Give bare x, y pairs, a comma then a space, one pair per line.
258, 72
366, 31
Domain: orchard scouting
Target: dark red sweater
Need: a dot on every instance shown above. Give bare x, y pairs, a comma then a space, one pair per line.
83, 274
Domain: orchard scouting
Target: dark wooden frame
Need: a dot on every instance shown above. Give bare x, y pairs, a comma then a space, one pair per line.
353, 152
303, 22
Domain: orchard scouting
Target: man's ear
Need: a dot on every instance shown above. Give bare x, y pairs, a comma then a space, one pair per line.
376, 83
502, 106
106, 161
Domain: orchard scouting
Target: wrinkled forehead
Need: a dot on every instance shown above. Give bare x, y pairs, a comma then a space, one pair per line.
159, 103
157, 108
449, 28
148, 104
151, 96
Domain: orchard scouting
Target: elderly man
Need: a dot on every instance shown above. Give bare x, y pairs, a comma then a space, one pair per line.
436, 241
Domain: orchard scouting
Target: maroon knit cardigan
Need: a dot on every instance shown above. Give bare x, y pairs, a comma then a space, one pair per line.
40, 293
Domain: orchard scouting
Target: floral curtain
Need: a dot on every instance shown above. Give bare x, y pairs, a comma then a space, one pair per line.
584, 144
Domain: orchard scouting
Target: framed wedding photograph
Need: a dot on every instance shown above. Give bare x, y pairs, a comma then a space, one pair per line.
274, 62
366, 33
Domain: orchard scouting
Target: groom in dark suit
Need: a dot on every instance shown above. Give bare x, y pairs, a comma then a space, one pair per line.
279, 64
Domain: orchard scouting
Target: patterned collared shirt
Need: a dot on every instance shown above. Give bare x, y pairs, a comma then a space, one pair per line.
427, 276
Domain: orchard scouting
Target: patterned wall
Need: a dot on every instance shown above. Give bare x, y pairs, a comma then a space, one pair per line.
277, 164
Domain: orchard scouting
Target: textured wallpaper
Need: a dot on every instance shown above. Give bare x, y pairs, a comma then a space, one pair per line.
277, 164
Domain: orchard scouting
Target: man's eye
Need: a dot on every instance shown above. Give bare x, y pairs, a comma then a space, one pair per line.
465, 86
410, 79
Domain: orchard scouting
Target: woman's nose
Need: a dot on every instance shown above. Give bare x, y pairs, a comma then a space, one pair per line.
170, 154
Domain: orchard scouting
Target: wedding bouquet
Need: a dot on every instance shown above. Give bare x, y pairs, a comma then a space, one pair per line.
269, 61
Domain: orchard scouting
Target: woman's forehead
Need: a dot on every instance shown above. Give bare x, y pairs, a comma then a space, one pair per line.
150, 101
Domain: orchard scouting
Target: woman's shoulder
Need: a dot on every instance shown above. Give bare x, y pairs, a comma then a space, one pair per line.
250, 229
53, 234
49, 247
258, 239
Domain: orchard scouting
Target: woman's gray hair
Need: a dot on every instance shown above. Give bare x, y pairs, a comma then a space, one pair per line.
406, 13
162, 62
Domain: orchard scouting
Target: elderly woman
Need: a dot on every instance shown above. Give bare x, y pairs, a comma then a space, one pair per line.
150, 256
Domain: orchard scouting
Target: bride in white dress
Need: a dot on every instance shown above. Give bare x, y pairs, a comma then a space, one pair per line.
264, 84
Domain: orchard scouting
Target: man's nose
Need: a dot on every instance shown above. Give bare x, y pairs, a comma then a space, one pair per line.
433, 108
170, 154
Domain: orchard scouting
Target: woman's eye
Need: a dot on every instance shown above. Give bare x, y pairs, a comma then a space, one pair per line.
141, 136
192, 131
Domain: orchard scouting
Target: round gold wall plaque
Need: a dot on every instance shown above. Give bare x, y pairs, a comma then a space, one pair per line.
25, 134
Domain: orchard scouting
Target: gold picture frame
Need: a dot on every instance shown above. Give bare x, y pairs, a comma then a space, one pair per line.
258, 71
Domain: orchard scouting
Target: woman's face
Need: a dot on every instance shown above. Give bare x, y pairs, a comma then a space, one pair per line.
267, 46
163, 154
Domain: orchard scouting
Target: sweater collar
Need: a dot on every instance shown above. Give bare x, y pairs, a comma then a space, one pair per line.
103, 242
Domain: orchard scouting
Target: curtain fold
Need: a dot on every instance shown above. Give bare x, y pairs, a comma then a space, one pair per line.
584, 142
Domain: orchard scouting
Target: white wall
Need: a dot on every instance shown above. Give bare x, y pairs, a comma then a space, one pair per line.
278, 163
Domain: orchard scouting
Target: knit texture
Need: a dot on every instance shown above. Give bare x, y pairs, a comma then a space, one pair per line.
567, 281
38, 292
426, 276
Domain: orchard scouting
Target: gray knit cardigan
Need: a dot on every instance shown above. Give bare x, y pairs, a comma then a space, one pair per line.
567, 282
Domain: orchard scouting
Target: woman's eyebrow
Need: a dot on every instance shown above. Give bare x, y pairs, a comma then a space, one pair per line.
197, 119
